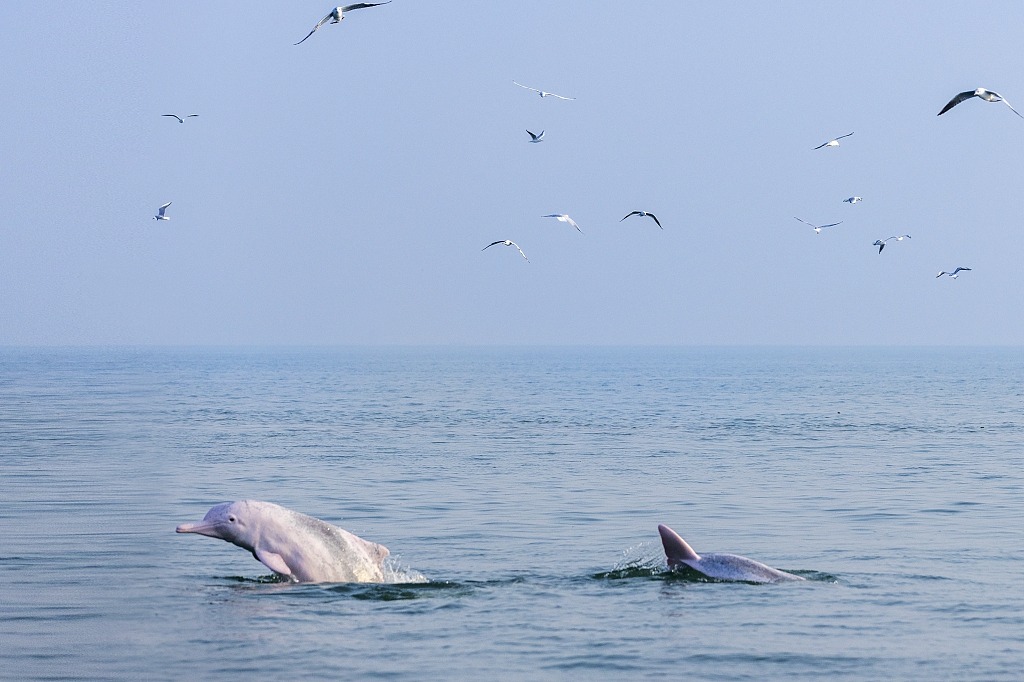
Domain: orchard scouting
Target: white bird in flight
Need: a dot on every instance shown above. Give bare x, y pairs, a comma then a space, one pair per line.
853, 200
180, 119
543, 93
984, 94
536, 138
645, 214
953, 274
562, 217
834, 142
880, 243
161, 213
507, 242
818, 228
338, 13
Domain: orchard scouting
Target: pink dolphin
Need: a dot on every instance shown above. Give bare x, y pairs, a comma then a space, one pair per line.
298, 547
718, 566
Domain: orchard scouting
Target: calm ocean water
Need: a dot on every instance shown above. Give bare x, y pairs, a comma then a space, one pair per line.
526, 485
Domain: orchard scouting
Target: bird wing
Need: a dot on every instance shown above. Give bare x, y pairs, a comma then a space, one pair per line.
824, 144
318, 25
831, 224
941, 274
535, 137
959, 269
572, 222
842, 136
520, 251
163, 208
500, 241
629, 214
881, 245
525, 86
655, 219
804, 221
956, 100
174, 116
361, 5
1011, 108
559, 96
191, 115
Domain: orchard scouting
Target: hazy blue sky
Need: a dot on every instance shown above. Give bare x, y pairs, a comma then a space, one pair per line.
339, 192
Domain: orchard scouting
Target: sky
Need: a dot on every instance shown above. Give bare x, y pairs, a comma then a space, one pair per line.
339, 192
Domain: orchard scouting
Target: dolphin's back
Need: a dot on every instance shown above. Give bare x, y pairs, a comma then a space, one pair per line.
719, 566
317, 551
738, 568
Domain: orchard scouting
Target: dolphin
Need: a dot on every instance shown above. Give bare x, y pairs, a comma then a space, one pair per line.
299, 547
719, 566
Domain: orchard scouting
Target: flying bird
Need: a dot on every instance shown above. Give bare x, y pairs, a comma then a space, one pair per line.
833, 143
853, 200
507, 242
984, 94
818, 228
338, 13
880, 243
161, 213
180, 119
953, 274
645, 214
543, 93
562, 217
536, 138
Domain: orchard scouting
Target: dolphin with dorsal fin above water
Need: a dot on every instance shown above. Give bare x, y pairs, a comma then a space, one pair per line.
298, 547
718, 566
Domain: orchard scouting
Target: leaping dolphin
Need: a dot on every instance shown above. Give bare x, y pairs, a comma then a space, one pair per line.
299, 547
719, 566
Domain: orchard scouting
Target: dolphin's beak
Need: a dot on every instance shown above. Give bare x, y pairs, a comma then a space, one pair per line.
200, 527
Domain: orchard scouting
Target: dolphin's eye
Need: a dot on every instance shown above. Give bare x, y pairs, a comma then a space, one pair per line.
231, 519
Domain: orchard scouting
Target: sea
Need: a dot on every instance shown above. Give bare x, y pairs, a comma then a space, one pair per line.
519, 490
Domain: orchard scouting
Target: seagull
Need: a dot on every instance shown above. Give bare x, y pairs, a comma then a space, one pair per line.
880, 243
953, 274
536, 138
833, 143
542, 92
853, 200
337, 14
986, 95
562, 217
180, 119
645, 214
507, 242
818, 228
161, 213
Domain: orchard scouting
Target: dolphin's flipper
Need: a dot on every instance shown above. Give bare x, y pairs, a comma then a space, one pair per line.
275, 562
676, 549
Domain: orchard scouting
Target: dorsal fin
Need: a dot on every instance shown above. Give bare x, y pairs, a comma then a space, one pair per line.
676, 549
